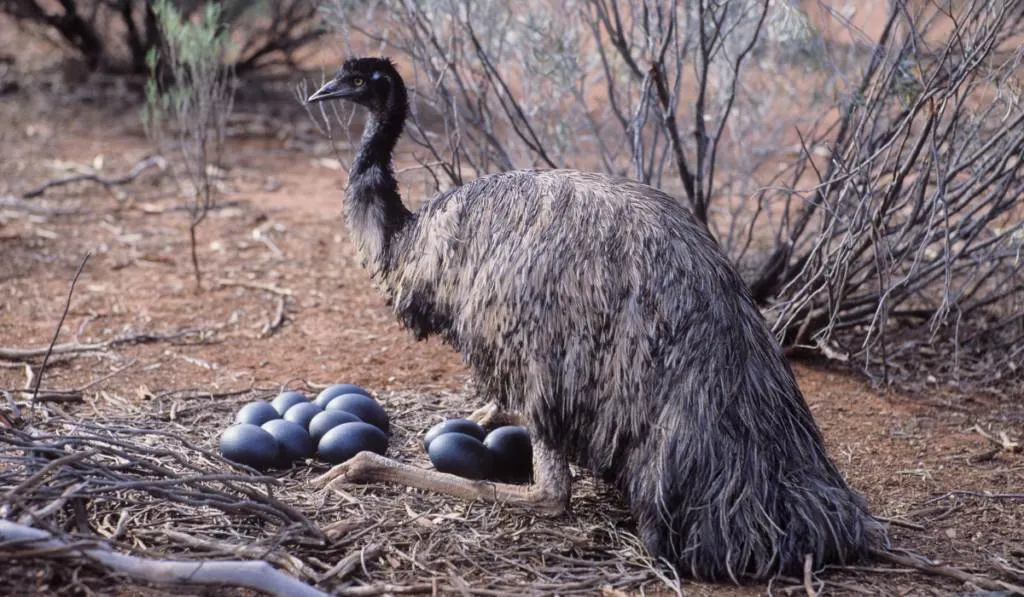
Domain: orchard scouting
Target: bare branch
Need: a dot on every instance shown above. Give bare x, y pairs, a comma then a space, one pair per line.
260, 576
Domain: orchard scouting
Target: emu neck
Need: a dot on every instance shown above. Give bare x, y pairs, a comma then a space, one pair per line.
373, 207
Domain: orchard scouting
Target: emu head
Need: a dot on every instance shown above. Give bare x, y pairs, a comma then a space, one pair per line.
369, 82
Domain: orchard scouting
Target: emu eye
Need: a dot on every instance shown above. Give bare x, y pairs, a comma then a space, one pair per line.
358, 81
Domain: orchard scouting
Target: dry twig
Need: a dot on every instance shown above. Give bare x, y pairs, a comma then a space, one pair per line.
282, 559
251, 574
946, 571
277, 321
137, 169
24, 354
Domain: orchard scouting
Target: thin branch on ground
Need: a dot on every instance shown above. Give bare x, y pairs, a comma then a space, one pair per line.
140, 167
74, 348
946, 571
280, 558
350, 562
73, 394
260, 576
277, 320
284, 292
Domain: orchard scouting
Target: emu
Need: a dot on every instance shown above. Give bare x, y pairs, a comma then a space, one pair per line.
602, 312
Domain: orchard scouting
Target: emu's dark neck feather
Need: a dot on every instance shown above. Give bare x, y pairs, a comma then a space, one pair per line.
374, 208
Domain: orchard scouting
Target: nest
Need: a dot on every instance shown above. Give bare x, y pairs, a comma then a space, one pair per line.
154, 487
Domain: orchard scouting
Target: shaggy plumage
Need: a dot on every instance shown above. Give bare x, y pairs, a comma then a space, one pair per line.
601, 310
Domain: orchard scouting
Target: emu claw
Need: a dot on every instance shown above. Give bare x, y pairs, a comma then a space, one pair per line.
491, 416
354, 470
485, 415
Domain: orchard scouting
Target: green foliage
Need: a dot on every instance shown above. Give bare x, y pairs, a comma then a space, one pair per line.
198, 43
194, 51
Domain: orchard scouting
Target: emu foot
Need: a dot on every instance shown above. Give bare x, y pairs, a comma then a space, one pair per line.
491, 416
550, 499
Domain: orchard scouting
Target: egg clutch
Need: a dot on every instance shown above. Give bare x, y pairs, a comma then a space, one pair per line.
345, 419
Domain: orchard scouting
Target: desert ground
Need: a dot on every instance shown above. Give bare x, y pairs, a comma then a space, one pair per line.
284, 303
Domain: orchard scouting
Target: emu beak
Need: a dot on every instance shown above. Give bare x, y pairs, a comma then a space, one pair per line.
330, 90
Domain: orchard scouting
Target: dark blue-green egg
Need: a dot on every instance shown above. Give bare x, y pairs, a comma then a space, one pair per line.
454, 426
293, 442
362, 406
286, 400
302, 413
348, 439
249, 445
462, 455
257, 413
331, 392
327, 420
513, 453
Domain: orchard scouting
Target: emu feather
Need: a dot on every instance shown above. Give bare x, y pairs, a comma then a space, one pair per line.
606, 315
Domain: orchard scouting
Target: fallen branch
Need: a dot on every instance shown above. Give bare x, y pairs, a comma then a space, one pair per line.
282, 559
900, 523
1003, 442
278, 320
256, 575
15, 203
72, 394
989, 496
348, 564
1008, 570
385, 589
139, 168
21, 354
256, 286
946, 571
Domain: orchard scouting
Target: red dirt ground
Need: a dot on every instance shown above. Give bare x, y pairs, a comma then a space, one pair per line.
917, 459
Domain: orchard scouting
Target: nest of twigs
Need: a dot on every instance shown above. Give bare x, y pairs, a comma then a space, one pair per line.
153, 486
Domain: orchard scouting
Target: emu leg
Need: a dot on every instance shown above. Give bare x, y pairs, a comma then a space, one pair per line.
549, 495
491, 416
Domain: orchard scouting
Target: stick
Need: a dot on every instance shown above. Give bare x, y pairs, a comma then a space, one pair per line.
947, 571
347, 564
274, 324
20, 354
1003, 441
277, 320
385, 589
75, 394
900, 523
987, 495
256, 286
37, 477
283, 559
56, 333
53, 506
256, 575
12, 202
134, 173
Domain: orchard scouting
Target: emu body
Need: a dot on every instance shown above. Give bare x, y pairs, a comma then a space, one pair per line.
605, 314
